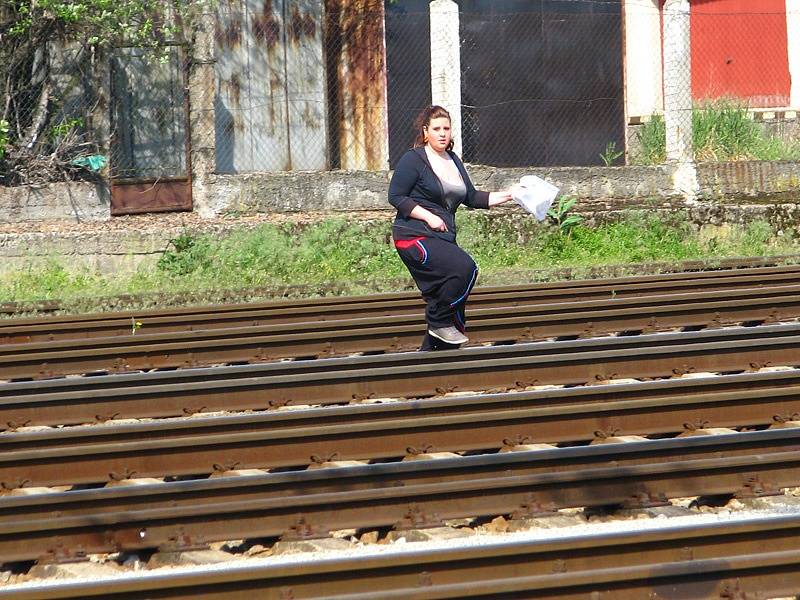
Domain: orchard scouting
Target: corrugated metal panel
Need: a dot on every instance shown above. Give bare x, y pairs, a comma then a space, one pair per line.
357, 54
740, 50
265, 72
250, 88
150, 197
305, 68
270, 103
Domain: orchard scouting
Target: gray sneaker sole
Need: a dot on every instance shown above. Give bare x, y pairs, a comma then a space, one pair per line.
464, 340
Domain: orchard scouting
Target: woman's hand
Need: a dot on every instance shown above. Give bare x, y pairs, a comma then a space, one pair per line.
423, 214
435, 223
496, 198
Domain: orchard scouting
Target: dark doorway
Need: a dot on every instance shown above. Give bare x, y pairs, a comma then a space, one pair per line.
408, 70
542, 81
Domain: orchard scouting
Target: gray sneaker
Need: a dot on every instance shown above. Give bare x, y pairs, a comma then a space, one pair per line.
451, 335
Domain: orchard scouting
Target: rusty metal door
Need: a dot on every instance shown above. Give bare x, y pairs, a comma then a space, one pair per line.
150, 169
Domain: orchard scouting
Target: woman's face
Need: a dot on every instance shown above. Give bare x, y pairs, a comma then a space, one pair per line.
439, 134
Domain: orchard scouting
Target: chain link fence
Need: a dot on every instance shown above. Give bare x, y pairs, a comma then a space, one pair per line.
541, 87
149, 113
52, 110
316, 85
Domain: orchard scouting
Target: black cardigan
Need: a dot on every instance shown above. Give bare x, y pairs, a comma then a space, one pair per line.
415, 184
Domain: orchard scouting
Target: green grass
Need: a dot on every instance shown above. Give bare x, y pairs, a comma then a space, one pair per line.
359, 258
721, 131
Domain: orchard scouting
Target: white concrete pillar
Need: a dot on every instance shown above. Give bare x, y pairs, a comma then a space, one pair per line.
793, 30
202, 92
677, 81
643, 76
446, 63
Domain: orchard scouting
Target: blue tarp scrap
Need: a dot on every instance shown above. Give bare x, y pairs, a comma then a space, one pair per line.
94, 162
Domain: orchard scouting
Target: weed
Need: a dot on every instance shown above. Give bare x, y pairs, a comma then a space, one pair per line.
652, 138
188, 255
559, 215
722, 130
64, 127
610, 155
135, 326
3, 138
358, 257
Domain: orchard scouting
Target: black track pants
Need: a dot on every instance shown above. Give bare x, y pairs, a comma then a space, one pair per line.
445, 274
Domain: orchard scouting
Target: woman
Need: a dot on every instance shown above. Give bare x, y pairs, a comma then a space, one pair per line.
428, 185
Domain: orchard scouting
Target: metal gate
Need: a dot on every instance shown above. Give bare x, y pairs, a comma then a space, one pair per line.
150, 169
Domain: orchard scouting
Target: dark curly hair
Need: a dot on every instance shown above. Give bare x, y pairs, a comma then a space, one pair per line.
424, 119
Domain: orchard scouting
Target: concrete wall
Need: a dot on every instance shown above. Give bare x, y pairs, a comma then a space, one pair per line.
110, 251
643, 65
597, 188
118, 246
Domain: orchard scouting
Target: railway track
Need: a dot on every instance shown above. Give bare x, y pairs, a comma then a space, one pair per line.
191, 302
75, 400
405, 495
716, 560
201, 446
396, 333
48, 329
394, 410
44, 329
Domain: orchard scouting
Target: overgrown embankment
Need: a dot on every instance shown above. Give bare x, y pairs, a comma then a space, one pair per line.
357, 257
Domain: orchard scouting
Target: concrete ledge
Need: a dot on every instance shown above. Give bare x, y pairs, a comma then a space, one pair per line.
753, 181
295, 191
366, 191
597, 188
76, 201
120, 245
103, 251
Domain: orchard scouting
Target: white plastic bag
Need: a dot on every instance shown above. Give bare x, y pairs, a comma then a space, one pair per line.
535, 195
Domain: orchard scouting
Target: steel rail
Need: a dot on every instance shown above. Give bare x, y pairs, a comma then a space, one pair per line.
31, 330
393, 333
402, 495
698, 561
411, 374
277, 439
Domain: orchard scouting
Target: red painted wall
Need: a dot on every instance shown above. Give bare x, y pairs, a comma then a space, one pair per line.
739, 49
